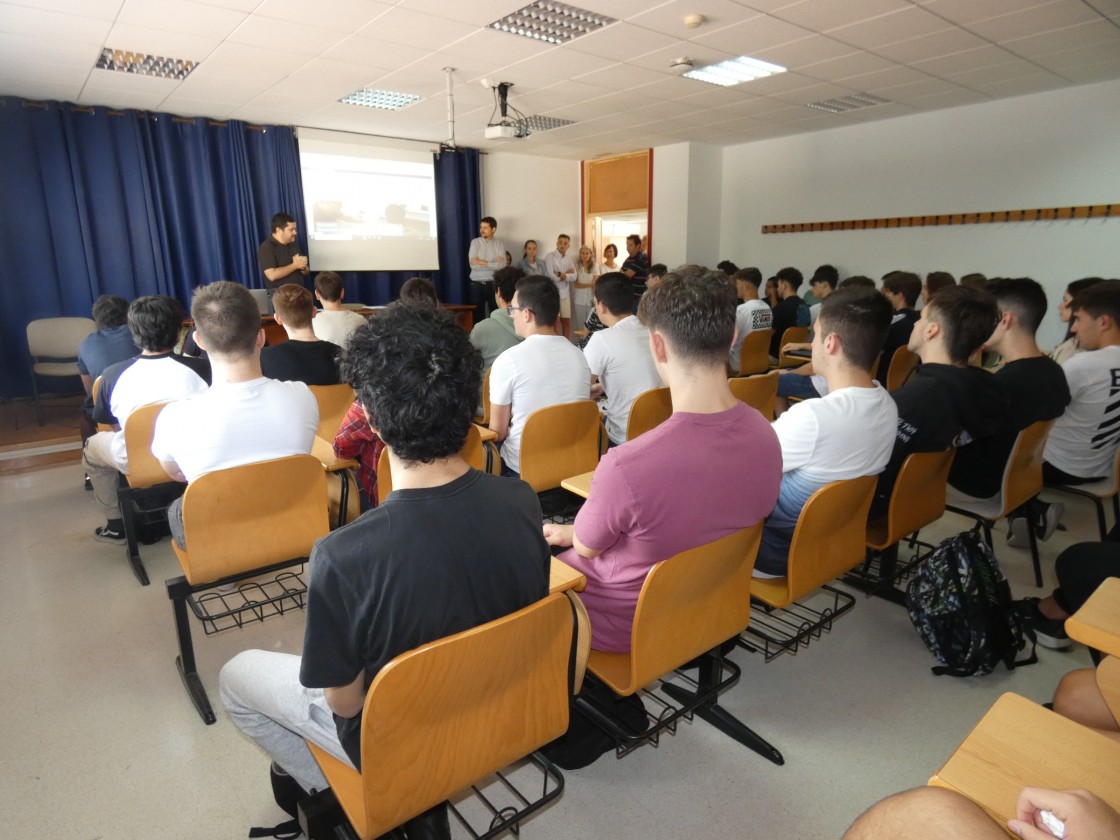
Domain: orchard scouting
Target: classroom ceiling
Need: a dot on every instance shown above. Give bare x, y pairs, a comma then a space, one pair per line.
289, 61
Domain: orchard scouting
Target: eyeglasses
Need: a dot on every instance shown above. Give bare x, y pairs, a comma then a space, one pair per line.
512, 309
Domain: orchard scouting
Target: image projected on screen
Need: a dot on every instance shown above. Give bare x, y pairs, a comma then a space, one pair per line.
369, 213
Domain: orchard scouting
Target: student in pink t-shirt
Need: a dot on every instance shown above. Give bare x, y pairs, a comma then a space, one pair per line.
712, 468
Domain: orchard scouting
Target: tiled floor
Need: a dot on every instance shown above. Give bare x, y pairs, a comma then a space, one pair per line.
100, 740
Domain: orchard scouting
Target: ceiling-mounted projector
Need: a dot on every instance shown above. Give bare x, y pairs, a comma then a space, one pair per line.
501, 132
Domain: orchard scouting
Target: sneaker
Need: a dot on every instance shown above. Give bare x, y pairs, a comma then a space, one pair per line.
1048, 519
109, 535
87, 484
1017, 536
1050, 632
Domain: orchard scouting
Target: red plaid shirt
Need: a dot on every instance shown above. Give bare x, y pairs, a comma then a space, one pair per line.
355, 439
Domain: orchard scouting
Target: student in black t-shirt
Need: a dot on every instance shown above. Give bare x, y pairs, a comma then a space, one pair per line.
304, 357
449, 549
791, 310
902, 289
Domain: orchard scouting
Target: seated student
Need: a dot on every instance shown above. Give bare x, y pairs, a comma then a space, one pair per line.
333, 323
304, 357
245, 417
156, 375
751, 314
1080, 569
1035, 386
419, 291
402, 575
945, 402
545, 369
821, 285
847, 433
496, 334
355, 439
1069, 346
856, 281
1081, 446
935, 282
619, 355
901, 289
790, 310
709, 470
110, 343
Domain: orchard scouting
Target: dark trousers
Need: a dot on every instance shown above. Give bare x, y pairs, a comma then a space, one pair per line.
482, 298
1053, 475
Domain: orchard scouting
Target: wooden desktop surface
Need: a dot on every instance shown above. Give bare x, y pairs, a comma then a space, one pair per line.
563, 577
324, 451
579, 484
486, 433
1019, 743
1097, 623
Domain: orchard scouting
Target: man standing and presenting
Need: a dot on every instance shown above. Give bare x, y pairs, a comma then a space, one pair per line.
279, 255
562, 272
486, 255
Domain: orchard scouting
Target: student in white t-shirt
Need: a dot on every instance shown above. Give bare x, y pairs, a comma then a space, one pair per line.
545, 369
244, 417
619, 355
333, 323
752, 314
847, 433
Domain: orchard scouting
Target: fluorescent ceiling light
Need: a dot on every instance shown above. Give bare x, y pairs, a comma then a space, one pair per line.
552, 23
387, 100
735, 71
142, 64
851, 102
541, 123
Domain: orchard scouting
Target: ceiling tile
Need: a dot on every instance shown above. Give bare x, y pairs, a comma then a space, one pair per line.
127, 36
805, 51
1099, 72
497, 47
621, 40
976, 79
914, 90
869, 82
969, 11
270, 32
1036, 20
1017, 87
948, 99
369, 52
987, 56
855, 64
932, 46
181, 16
238, 5
50, 27
1087, 34
113, 98
814, 93
18, 50
476, 12
751, 36
620, 76
323, 79
417, 29
659, 60
346, 16
674, 87
187, 106
1092, 54
822, 15
668, 18
100, 9
26, 87
131, 83
563, 63
889, 29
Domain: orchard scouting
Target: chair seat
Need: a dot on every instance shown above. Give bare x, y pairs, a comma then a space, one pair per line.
612, 669
56, 368
773, 591
990, 509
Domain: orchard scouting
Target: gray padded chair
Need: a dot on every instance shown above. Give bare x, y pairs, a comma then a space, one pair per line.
53, 344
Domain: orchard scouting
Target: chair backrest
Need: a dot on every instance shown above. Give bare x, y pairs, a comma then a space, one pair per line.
484, 418
144, 469
831, 533
1022, 477
442, 716
792, 335
902, 362
57, 338
648, 411
559, 441
754, 355
691, 603
918, 497
472, 452
334, 401
251, 516
759, 392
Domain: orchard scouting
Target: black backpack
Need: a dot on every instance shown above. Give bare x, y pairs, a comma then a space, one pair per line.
960, 604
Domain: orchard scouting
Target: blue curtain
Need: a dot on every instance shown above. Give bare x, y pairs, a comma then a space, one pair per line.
458, 212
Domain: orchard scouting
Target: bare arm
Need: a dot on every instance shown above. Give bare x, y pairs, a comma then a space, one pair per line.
564, 536
172, 469
499, 420
346, 701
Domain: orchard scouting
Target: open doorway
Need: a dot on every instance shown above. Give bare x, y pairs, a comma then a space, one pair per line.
613, 228
616, 202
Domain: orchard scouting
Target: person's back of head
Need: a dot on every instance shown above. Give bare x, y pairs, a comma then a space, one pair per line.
747, 282
967, 317
975, 280
505, 282
420, 291
329, 286
791, 276
826, 274
695, 312
109, 311
227, 318
615, 291
294, 306
727, 267
904, 283
154, 321
938, 280
540, 296
281, 221
861, 319
856, 281
656, 271
1021, 296
417, 375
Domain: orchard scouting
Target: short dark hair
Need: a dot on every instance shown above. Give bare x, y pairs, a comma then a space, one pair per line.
539, 294
938, 280
861, 318
695, 312
750, 275
328, 285
615, 291
488, 220
657, 270
1022, 296
227, 317
826, 274
419, 291
154, 321
637, 240
967, 316
975, 279
727, 267
418, 376
563, 236
904, 283
613, 247
1078, 286
1101, 298
294, 304
505, 280
792, 276
110, 311
859, 281
282, 220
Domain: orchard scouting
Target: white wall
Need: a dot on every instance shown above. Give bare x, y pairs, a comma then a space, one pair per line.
531, 198
1045, 150
686, 204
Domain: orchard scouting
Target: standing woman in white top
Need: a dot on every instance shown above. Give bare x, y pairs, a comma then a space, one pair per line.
586, 272
610, 254
530, 262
